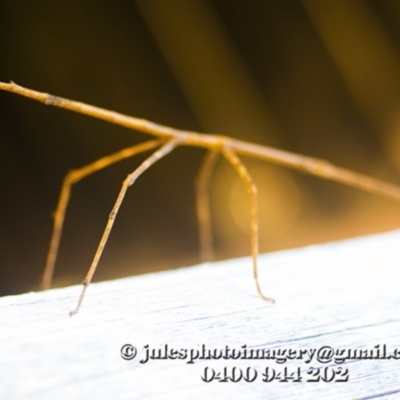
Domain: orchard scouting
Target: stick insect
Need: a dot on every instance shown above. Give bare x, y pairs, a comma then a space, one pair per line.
166, 140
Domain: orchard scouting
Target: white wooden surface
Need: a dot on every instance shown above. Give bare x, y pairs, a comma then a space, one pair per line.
345, 295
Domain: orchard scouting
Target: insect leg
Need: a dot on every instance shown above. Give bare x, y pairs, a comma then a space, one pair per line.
71, 178
252, 190
203, 206
130, 179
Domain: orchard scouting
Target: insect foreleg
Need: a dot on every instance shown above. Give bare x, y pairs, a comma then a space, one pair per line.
71, 178
130, 179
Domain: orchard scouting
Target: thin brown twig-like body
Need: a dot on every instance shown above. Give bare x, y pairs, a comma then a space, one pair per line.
168, 139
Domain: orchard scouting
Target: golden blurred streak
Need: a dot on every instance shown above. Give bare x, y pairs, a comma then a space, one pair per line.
363, 53
279, 200
218, 87
212, 75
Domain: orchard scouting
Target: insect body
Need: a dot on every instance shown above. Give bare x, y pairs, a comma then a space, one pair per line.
167, 139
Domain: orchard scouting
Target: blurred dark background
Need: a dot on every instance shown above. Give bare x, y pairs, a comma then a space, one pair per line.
320, 78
